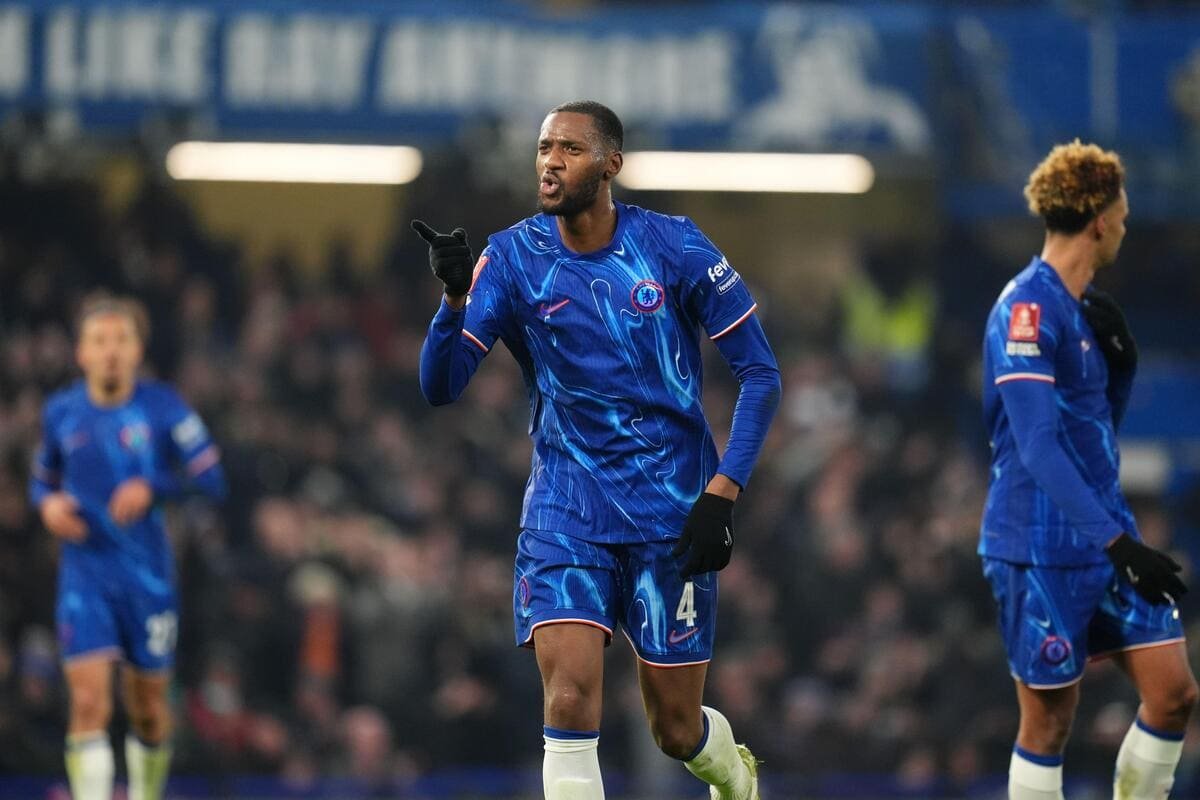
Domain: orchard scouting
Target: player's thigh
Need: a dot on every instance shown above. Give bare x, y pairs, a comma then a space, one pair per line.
1047, 713
570, 655
670, 621
558, 579
1162, 675
148, 621
672, 695
1044, 617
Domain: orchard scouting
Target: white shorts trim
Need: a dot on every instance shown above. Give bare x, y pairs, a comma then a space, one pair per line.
657, 665
559, 620
1044, 686
1142, 646
115, 653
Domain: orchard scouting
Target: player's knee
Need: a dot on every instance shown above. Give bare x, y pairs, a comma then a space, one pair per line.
572, 705
676, 740
1189, 696
1047, 734
150, 718
1176, 702
152, 725
676, 733
91, 708
1058, 728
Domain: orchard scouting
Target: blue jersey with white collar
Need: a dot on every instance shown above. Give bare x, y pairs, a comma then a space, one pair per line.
608, 343
1051, 412
87, 451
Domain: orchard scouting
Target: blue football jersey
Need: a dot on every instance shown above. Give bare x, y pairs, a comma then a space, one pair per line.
609, 346
87, 451
1036, 332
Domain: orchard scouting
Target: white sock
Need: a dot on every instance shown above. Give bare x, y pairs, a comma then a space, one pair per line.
1034, 777
571, 766
90, 766
147, 767
1146, 763
717, 762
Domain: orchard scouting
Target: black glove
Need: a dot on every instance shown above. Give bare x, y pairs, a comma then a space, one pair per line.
707, 534
449, 257
1111, 329
1152, 573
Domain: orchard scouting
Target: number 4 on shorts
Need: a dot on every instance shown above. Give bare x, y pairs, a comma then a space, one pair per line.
687, 605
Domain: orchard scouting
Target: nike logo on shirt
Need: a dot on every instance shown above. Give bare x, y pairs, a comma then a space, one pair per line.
545, 310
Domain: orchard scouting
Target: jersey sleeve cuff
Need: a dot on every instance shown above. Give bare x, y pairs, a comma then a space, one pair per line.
1024, 376
446, 313
738, 474
745, 316
1105, 532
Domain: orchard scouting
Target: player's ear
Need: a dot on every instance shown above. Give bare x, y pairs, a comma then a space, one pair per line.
615, 162
1097, 226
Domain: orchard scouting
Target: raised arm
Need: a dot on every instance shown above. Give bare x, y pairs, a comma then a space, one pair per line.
449, 356
467, 324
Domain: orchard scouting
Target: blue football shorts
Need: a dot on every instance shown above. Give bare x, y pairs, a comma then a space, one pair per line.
133, 623
1053, 619
669, 621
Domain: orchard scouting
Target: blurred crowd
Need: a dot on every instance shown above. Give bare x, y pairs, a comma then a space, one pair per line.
348, 611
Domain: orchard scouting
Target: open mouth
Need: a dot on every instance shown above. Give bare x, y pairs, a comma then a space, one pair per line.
549, 185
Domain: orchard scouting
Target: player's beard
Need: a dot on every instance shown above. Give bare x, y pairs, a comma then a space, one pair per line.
574, 201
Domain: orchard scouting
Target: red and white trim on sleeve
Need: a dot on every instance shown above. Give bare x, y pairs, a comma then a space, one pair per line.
475, 340
1024, 376
206, 458
735, 323
479, 265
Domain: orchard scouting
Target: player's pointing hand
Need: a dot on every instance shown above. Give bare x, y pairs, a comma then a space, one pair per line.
449, 257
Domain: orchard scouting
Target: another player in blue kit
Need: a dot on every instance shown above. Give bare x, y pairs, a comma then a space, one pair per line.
1060, 546
112, 449
628, 512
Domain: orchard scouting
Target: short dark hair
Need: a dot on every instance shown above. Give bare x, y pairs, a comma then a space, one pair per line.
101, 303
608, 124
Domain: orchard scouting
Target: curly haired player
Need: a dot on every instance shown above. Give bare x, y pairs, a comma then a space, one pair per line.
1071, 576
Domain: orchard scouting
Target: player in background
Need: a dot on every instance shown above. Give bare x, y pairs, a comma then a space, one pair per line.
1060, 546
112, 448
628, 512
